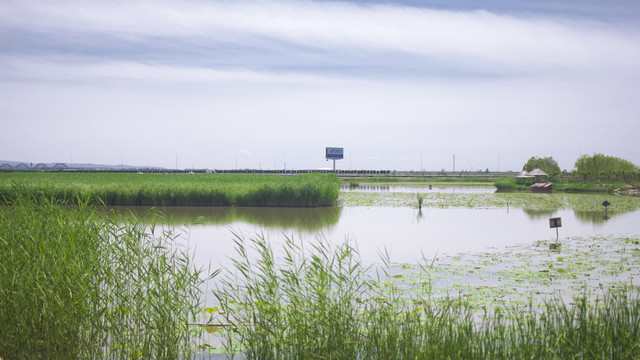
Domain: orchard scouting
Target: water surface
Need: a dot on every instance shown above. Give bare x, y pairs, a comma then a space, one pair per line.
406, 233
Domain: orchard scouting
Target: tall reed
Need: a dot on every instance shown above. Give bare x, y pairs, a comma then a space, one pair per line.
179, 189
78, 284
321, 303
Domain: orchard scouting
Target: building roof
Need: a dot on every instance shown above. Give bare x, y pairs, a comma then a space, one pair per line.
538, 172
524, 174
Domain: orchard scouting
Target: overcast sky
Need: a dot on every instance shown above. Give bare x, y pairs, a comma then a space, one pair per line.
257, 84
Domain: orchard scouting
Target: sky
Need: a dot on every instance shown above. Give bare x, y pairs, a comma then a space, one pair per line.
269, 84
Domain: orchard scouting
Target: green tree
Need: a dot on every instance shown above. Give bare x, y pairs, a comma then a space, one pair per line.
605, 167
547, 164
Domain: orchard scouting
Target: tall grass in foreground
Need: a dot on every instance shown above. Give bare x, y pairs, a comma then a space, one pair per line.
320, 303
76, 284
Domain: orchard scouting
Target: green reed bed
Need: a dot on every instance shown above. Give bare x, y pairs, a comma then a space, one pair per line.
75, 284
179, 189
319, 302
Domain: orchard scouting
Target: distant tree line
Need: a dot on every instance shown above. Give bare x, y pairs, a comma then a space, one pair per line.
589, 168
603, 167
283, 171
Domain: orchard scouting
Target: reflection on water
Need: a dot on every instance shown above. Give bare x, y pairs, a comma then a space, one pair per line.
407, 233
596, 217
535, 214
584, 216
300, 219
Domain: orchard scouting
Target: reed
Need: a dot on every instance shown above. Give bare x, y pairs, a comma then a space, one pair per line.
320, 302
78, 284
179, 189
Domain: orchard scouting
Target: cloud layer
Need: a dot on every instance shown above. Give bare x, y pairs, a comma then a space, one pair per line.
282, 79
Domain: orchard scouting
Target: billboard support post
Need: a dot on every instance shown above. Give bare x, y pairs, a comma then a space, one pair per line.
334, 153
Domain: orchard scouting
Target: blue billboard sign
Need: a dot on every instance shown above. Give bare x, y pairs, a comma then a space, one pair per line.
335, 153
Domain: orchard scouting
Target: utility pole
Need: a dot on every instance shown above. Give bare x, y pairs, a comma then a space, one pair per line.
454, 163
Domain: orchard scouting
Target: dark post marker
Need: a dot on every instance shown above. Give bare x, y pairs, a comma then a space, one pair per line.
606, 206
555, 223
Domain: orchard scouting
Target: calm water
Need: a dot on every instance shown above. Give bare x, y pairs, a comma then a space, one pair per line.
405, 233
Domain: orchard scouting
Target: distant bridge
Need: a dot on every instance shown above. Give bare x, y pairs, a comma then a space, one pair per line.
38, 166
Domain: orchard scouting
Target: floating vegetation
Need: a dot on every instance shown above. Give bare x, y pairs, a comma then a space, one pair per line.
526, 201
522, 273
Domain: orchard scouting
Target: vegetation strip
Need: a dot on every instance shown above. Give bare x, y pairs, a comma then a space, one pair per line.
527, 201
177, 189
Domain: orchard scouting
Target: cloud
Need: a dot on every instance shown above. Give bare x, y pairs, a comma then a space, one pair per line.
476, 41
152, 79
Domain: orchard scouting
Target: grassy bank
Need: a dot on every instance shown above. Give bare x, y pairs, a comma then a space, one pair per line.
512, 184
77, 284
323, 301
179, 189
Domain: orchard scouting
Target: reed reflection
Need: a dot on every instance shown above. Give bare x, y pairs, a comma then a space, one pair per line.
301, 219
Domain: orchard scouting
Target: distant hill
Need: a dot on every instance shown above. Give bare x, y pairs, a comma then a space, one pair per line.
18, 165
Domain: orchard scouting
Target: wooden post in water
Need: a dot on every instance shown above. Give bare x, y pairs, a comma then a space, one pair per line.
555, 223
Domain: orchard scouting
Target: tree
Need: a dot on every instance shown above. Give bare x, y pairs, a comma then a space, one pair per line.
548, 165
604, 166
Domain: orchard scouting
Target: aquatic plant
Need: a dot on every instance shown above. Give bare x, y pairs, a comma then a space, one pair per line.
179, 189
75, 283
524, 200
322, 302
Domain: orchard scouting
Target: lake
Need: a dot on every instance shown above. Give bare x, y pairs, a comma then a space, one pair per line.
486, 251
405, 232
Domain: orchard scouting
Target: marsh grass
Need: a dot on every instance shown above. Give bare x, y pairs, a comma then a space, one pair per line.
78, 284
320, 302
179, 189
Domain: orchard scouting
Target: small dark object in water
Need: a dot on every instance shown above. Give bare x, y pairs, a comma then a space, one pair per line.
554, 246
606, 207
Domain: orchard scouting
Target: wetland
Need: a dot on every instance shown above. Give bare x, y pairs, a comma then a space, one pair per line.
374, 270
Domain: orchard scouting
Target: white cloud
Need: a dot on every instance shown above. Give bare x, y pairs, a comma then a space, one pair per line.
470, 39
475, 83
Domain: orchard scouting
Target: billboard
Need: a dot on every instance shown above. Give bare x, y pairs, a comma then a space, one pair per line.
335, 153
